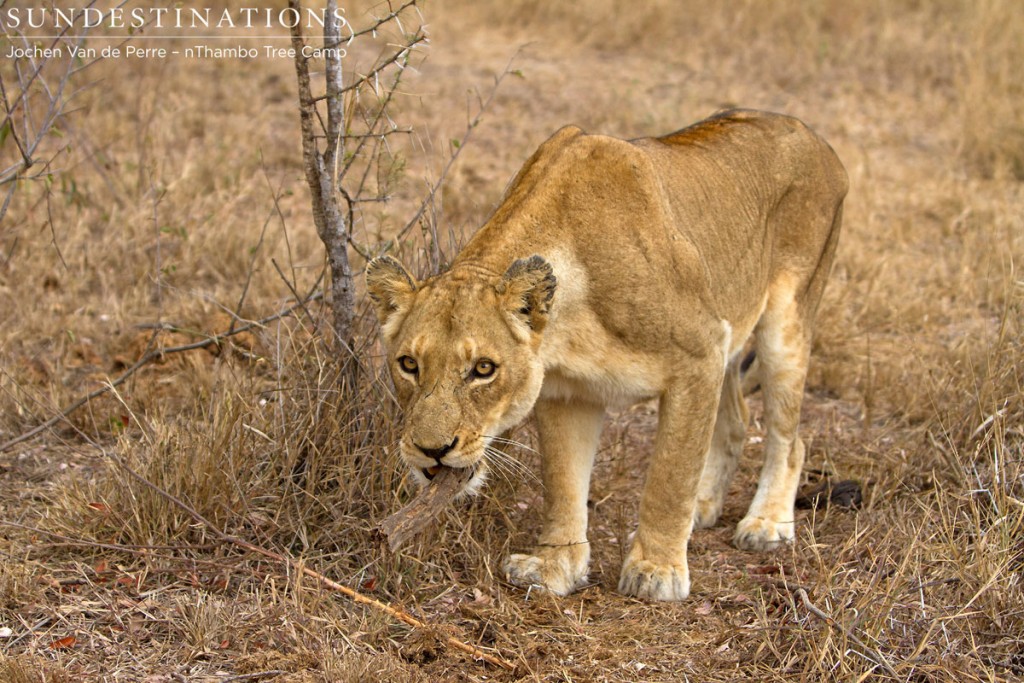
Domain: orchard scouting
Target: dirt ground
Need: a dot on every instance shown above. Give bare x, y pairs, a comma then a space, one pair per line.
176, 209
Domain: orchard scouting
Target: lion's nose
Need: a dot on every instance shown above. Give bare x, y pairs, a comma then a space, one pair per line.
438, 453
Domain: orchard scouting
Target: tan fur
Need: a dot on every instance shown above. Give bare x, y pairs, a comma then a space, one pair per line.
613, 272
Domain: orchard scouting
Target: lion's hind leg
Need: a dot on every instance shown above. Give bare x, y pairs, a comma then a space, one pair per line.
726, 448
783, 350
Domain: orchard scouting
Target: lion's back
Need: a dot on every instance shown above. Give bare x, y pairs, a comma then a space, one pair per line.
751, 142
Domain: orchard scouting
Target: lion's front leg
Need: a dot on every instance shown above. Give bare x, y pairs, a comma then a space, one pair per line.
656, 567
569, 435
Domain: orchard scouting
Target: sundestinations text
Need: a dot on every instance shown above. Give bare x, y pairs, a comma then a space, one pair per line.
21, 18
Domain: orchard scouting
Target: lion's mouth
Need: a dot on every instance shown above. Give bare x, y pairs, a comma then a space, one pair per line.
431, 472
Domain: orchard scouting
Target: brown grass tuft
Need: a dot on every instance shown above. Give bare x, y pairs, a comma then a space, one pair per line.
25, 669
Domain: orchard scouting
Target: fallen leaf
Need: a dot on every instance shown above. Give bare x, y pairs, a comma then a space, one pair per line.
705, 608
480, 598
100, 507
6, 632
63, 643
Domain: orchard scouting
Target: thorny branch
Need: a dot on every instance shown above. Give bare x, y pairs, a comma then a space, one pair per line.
24, 126
471, 125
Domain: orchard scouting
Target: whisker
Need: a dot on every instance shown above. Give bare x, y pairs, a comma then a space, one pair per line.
501, 472
510, 475
512, 442
508, 465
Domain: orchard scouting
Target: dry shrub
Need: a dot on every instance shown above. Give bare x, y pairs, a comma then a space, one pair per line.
297, 461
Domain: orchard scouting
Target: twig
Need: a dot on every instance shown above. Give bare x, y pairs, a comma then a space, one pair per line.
148, 357
381, 21
29, 139
383, 65
275, 195
868, 651
470, 127
252, 261
291, 288
31, 629
295, 566
256, 675
120, 547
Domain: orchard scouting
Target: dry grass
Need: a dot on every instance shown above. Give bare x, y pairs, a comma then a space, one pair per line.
164, 210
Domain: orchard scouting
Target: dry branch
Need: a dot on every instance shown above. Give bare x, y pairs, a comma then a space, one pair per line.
418, 513
150, 355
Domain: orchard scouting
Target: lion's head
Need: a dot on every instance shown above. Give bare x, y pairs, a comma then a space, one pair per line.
463, 354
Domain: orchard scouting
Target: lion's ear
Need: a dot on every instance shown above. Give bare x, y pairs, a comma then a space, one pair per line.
390, 287
527, 289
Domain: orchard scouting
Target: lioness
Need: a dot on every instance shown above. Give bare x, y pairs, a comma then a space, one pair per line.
612, 272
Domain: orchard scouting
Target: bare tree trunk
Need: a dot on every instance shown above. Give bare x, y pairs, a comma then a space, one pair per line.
322, 178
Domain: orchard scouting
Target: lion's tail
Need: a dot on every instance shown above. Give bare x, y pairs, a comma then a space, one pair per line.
750, 374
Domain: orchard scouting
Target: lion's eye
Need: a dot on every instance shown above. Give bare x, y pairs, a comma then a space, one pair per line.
484, 368
408, 364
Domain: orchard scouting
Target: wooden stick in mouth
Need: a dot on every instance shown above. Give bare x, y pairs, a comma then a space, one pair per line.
445, 484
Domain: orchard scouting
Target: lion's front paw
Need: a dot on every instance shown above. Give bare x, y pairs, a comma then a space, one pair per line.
560, 570
645, 579
758, 533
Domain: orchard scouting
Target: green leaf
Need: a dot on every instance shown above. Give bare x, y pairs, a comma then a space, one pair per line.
116, 424
455, 143
4, 132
